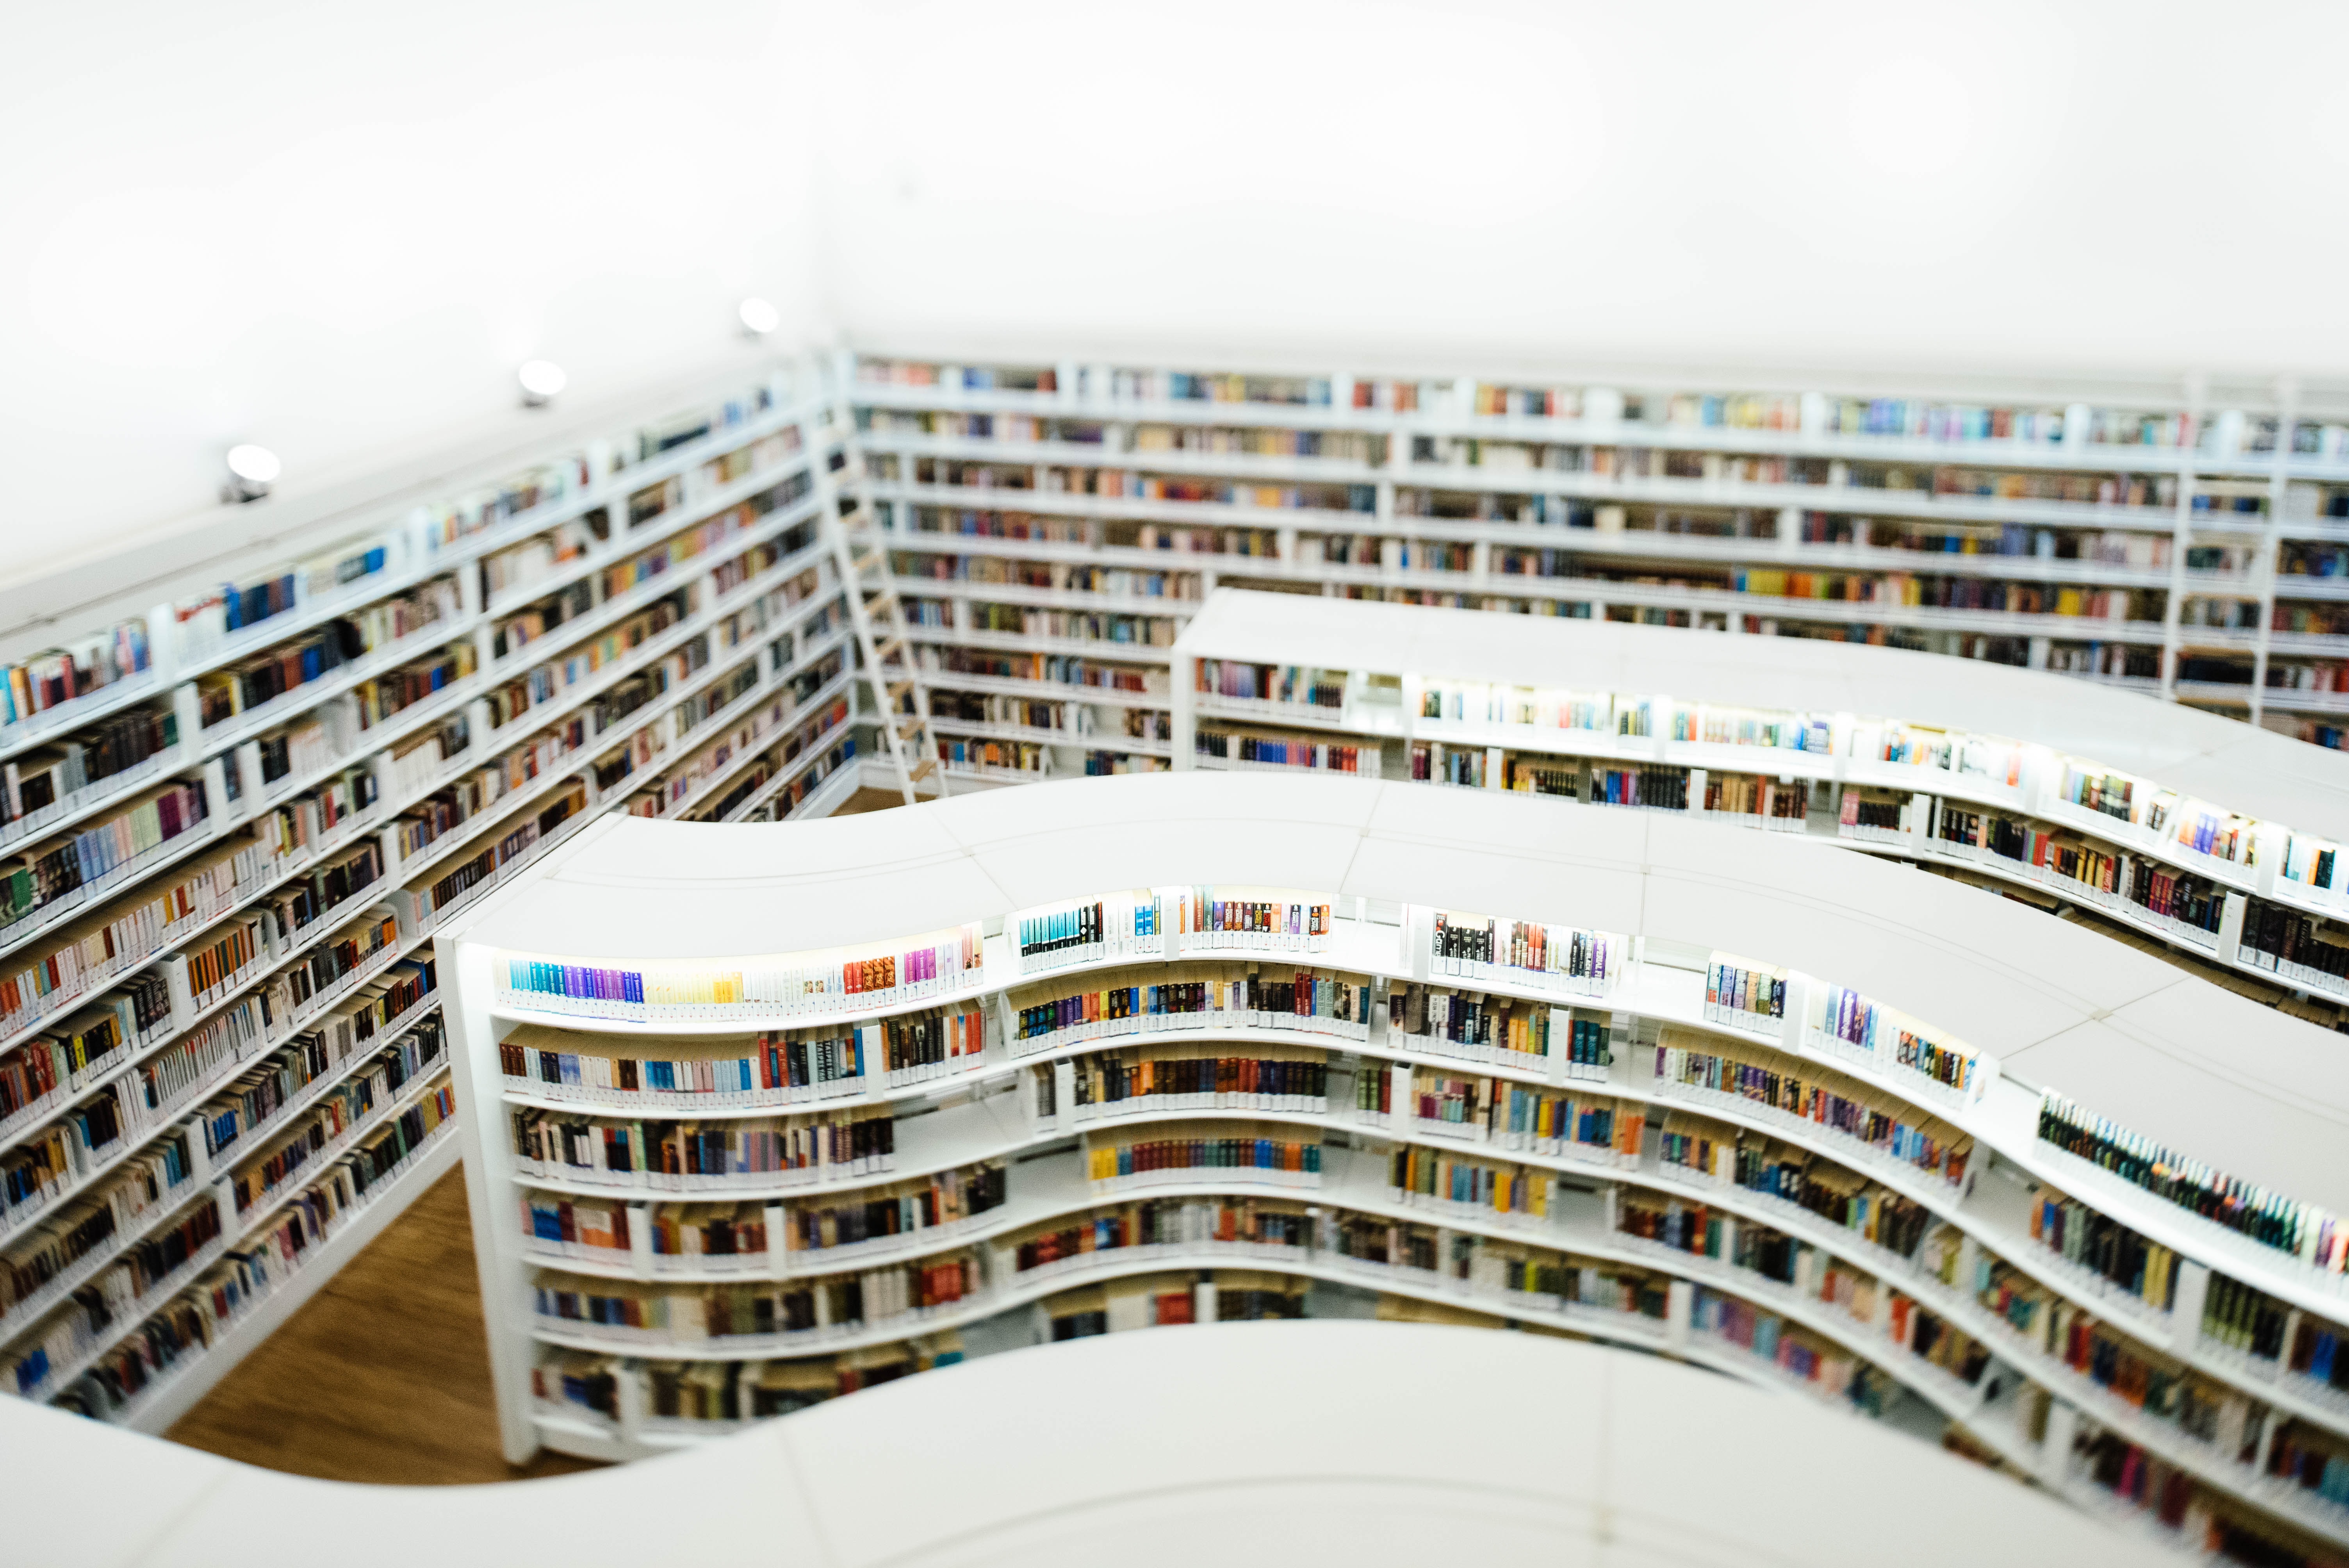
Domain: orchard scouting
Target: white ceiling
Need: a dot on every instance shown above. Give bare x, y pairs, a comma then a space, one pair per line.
335, 229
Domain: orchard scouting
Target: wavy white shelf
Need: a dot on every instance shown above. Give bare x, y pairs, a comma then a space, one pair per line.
1313, 1468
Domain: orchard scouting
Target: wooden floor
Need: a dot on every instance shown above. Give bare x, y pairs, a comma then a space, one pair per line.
868, 800
383, 1376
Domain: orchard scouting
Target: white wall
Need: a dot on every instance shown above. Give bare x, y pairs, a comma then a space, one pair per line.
335, 229
2006, 187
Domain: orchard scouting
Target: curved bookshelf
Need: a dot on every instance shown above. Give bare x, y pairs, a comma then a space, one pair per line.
607, 961
1970, 778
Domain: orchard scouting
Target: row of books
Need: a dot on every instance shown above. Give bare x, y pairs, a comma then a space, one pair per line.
749, 1234
43, 782
1123, 924
1194, 1226
225, 1295
135, 1104
2302, 1230
40, 1075
777, 1068
57, 874
55, 677
1287, 751
717, 1395
1685, 1062
1811, 413
1475, 947
1481, 1027
2090, 1240
681, 1156
629, 1313
1286, 684
1190, 996
1437, 1178
1263, 1155
884, 979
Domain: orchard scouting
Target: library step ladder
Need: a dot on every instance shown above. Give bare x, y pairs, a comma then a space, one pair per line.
875, 611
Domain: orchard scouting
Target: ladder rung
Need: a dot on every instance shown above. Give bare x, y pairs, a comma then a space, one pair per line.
899, 688
894, 645
923, 769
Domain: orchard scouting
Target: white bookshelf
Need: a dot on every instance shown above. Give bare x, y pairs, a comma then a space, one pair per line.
2044, 1004
1744, 469
768, 440
1393, 660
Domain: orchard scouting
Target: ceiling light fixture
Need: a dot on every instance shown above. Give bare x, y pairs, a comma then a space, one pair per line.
251, 471
758, 317
541, 380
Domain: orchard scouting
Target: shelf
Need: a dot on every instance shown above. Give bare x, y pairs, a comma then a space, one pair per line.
162, 1403
2095, 457
248, 1223
464, 833
615, 487
649, 653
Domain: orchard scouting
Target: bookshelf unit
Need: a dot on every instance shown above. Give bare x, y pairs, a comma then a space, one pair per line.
1477, 1057
2188, 549
2027, 785
232, 857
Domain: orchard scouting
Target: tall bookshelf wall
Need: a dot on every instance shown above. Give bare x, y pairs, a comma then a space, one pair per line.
236, 823
712, 1193
2185, 548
